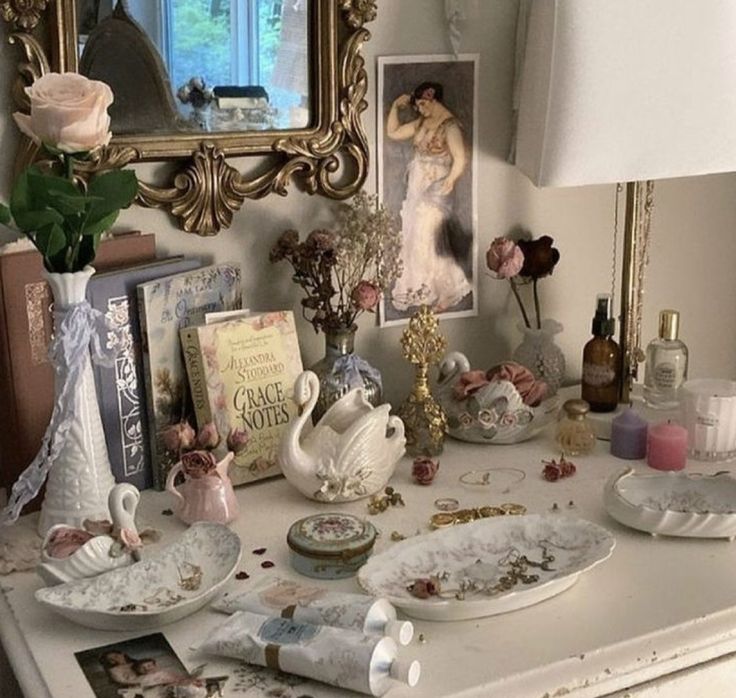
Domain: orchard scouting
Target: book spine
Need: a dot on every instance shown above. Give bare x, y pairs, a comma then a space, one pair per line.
159, 477
194, 363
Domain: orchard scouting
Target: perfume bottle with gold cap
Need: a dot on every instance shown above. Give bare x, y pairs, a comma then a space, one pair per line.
666, 364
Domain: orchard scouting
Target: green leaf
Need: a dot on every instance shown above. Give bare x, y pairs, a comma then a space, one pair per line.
19, 198
4, 214
99, 226
50, 240
114, 190
87, 250
31, 221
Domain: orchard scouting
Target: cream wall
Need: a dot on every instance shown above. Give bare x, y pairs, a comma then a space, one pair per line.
693, 249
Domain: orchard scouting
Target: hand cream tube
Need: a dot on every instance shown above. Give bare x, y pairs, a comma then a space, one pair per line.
318, 606
343, 658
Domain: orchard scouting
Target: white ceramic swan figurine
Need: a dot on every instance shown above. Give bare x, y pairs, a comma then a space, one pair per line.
93, 557
351, 452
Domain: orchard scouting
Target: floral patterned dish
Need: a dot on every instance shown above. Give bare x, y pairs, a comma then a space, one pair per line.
487, 567
166, 587
674, 503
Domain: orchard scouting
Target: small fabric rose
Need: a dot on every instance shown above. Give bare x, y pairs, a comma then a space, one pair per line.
424, 470
504, 258
68, 112
197, 464
469, 383
532, 391
179, 437
366, 296
424, 587
237, 440
208, 436
540, 257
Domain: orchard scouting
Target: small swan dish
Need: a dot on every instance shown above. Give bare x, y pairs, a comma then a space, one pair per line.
160, 589
674, 503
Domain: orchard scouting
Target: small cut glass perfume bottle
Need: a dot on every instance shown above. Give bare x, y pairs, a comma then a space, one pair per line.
575, 435
666, 363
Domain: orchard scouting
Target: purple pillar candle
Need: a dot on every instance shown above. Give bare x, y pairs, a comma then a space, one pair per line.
629, 436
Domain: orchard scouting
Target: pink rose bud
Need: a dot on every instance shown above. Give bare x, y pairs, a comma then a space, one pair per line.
424, 587
208, 436
365, 295
130, 539
237, 440
178, 437
504, 258
423, 470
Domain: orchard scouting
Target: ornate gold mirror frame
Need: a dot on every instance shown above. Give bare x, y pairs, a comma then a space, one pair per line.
330, 156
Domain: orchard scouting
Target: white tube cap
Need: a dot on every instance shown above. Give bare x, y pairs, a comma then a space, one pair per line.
406, 672
402, 631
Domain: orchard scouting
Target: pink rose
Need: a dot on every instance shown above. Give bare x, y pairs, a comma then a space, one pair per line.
424, 587
365, 295
130, 539
178, 437
197, 464
68, 112
532, 391
469, 383
504, 258
423, 470
208, 436
237, 440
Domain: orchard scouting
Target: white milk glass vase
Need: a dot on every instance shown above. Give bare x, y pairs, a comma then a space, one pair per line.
539, 353
79, 479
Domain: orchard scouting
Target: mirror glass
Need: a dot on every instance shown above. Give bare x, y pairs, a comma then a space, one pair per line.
193, 66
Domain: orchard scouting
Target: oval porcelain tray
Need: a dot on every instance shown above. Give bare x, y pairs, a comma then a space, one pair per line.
540, 555
166, 587
674, 503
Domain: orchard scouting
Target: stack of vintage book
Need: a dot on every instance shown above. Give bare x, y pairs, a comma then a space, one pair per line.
242, 366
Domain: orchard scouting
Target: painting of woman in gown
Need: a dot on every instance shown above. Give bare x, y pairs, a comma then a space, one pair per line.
436, 218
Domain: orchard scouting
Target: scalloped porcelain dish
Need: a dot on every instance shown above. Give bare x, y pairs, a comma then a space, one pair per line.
164, 588
674, 503
549, 553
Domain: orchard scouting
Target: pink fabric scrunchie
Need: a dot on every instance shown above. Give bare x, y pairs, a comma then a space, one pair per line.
532, 391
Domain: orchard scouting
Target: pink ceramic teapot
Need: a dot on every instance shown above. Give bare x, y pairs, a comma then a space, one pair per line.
206, 493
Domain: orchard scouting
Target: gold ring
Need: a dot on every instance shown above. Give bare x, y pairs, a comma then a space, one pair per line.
513, 509
442, 520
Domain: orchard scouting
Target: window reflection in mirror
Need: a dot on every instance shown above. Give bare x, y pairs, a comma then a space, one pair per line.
199, 65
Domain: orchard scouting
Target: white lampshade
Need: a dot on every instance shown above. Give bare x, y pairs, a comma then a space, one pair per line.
627, 90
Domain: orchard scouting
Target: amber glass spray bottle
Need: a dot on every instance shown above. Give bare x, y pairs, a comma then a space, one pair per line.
602, 361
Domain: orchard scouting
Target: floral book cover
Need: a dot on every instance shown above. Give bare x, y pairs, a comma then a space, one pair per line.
120, 386
167, 305
242, 375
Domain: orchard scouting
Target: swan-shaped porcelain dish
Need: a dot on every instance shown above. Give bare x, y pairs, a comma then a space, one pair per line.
674, 503
350, 453
93, 557
494, 414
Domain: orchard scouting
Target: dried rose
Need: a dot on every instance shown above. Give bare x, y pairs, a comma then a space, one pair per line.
424, 470
198, 464
504, 258
540, 257
179, 437
285, 245
208, 436
532, 391
65, 541
237, 440
553, 470
469, 383
424, 587
321, 240
365, 295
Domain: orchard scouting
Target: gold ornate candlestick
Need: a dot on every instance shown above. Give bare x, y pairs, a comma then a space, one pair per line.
424, 420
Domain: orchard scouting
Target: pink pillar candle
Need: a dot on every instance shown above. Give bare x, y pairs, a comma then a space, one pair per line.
667, 446
629, 435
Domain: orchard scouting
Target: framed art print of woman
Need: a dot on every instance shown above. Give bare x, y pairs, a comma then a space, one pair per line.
426, 178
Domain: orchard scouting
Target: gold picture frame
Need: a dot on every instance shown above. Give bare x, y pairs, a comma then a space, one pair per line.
203, 190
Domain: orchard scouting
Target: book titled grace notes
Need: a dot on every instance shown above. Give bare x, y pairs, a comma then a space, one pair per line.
241, 375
